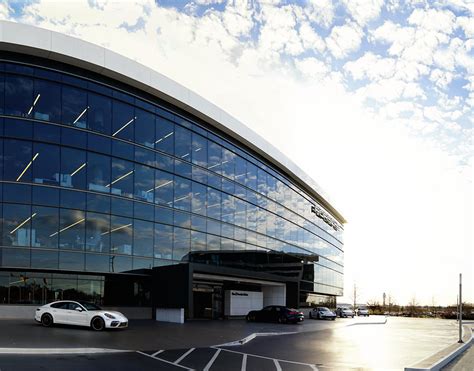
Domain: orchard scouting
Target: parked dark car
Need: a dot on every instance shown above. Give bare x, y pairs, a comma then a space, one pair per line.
276, 313
322, 313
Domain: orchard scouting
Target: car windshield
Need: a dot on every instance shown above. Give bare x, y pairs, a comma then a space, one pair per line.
324, 309
89, 306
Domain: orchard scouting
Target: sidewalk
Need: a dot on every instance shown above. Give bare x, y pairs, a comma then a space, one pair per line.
464, 362
149, 334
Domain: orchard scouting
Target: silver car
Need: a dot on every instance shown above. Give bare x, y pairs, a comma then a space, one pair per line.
322, 313
345, 312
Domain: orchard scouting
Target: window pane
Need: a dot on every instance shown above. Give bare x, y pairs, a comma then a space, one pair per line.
182, 194
163, 241
143, 238
122, 178
240, 169
251, 178
46, 164
100, 112
97, 263
164, 136
213, 203
44, 259
44, 230
198, 241
17, 160
75, 108
15, 257
17, 225
73, 168
123, 124
144, 183
181, 243
199, 150
199, 205
71, 229
98, 203
18, 96
144, 128
164, 189
228, 158
214, 157
121, 235
97, 232
182, 143
48, 103
71, 260
98, 173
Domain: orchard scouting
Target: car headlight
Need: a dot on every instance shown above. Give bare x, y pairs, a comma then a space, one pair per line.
108, 315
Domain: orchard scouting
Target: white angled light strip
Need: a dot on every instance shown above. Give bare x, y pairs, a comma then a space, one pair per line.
124, 126
166, 136
80, 115
66, 228
79, 169
159, 186
120, 178
117, 229
181, 198
27, 167
34, 104
23, 223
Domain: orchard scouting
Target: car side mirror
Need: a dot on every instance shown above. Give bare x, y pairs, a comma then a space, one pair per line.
78, 309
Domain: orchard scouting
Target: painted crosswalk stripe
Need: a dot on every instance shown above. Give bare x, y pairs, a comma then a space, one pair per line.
156, 353
244, 363
184, 356
208, 366
164, 360
277, 365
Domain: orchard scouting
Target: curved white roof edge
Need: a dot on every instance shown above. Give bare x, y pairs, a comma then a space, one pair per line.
31, 40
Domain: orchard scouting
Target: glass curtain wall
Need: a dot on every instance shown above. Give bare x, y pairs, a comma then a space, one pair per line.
96, 180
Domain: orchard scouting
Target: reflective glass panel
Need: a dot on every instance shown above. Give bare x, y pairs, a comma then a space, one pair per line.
71, 229
143, 238
122, 178
48, 104
121, 234
99, 113
123, 124
97, 232
74, 107
163, 241
17, 225
44, 229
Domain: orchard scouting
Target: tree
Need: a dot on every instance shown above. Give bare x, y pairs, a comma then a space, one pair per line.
412, 307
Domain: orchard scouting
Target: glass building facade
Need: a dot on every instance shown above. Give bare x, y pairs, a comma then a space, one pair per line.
100, 183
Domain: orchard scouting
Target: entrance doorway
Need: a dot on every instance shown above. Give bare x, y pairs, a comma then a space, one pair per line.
208, 301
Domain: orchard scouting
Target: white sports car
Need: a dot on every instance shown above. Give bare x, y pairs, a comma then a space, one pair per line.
79, 313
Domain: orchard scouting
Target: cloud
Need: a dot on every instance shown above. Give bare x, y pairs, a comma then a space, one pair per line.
371, 66
321, 12
344, 39
364, 11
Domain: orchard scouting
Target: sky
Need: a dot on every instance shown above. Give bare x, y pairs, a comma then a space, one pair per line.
373, 99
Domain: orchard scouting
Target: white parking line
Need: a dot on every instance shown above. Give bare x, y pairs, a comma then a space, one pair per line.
277, 365
275, 360
164, 360
208, 366
183, 356
156, 353
244, 363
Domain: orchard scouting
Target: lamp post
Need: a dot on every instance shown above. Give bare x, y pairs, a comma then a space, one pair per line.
460, 308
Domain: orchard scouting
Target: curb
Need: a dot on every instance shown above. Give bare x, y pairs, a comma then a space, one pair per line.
445, 359
250, 337
246, 339
59, 350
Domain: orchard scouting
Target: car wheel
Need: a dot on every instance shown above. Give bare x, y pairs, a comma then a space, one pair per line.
47, 320
97, 324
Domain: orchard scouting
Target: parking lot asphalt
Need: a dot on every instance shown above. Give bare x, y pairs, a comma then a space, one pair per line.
395, 345
151, 335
